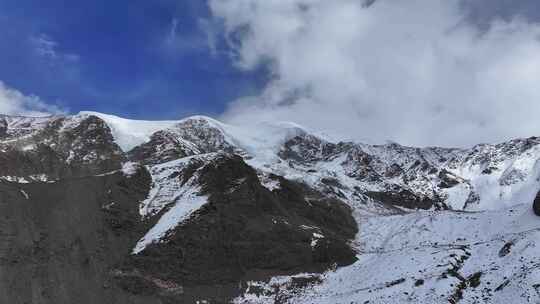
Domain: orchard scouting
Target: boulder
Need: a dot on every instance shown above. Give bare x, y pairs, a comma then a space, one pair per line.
536, 204
3, 128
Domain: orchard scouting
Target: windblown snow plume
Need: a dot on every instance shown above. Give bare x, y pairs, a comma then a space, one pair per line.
418, 72
13, 102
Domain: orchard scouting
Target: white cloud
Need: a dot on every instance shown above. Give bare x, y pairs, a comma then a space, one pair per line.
13, 102
415, 71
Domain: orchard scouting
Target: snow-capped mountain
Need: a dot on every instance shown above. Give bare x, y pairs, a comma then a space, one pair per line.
199, 210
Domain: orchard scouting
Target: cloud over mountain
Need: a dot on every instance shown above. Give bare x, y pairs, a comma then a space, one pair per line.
13, 102
418, 72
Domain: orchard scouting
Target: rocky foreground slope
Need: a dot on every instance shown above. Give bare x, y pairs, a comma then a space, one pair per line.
99, 209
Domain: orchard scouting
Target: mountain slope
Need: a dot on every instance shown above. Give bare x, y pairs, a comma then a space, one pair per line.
266, 213
223, 227
428, 257
59, 240
482, 177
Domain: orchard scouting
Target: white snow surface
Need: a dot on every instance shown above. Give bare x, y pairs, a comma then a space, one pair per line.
263, 139
166, 189
188, 201
130, 133
130, 168
181, 200
406, 258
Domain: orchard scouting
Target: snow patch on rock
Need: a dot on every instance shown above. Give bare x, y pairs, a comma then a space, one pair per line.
130, 168
129, 133
166, 188
187, 202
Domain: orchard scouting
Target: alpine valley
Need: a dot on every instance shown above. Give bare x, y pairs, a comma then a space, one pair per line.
99, 209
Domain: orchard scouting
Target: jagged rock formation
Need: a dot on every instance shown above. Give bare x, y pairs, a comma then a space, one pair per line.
101, 209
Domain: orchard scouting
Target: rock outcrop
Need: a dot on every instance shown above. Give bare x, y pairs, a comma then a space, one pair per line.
3, 127
245, 232
63, 147
536, 204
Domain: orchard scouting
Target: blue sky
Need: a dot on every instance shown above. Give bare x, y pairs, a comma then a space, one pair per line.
139, 59
144, 59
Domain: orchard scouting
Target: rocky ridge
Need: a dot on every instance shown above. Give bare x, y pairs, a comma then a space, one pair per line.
205, 211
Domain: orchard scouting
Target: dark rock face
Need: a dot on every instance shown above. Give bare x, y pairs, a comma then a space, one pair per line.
244, 232
360, 165
3, 127
58, 241
59, 152
204, 133
162, 147
448, 180
91, 145
402, 198
306, 148
366, 167
187, 138
60, 238
536, 204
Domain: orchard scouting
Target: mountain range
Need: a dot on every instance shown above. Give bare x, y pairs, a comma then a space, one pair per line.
95, 208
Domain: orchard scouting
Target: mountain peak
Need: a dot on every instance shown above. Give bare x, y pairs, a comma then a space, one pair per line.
130, 133
183, 194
